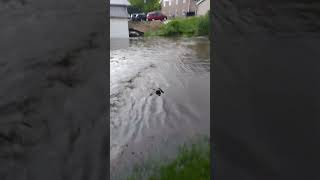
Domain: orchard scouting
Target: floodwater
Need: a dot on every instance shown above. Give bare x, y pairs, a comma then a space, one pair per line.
144, 125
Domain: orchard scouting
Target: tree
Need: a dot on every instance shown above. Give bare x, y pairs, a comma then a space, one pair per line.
133, 10
150, 5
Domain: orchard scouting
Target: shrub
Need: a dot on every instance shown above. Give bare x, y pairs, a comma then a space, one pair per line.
191, 26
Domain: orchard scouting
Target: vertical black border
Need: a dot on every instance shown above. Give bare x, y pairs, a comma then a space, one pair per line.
107, 40
212, 149
62, 100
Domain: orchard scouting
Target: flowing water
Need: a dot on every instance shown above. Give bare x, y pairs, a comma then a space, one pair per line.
144, 125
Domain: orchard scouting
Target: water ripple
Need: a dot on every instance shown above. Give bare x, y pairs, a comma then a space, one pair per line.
180, 67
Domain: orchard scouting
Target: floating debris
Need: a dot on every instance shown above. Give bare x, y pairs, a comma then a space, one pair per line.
158, 92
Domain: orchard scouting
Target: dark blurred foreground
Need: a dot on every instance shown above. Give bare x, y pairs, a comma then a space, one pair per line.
53, 93
266, 89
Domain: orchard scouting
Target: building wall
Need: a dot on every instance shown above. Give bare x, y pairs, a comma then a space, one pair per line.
177, 8
203, 7
118, 11
119, 21
119, 28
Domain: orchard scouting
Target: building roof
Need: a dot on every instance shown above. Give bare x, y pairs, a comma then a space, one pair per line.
119, 2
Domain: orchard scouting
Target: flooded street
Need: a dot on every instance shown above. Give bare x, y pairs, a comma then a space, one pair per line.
142, 124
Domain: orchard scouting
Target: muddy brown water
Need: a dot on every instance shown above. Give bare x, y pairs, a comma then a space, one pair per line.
144, 126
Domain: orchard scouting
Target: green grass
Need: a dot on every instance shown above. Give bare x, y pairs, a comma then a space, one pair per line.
191, 26
191, 163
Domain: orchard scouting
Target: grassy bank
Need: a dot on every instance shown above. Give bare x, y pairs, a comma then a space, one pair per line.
191, 163
191, 26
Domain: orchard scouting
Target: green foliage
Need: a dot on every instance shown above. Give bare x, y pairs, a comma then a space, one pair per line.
203, 25
191, 26
150, 5
133, 9
192, 163
137, 4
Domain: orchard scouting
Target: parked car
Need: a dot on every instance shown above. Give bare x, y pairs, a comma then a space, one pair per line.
141, 17
190, 14
156, 15
138, 17
133, 17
